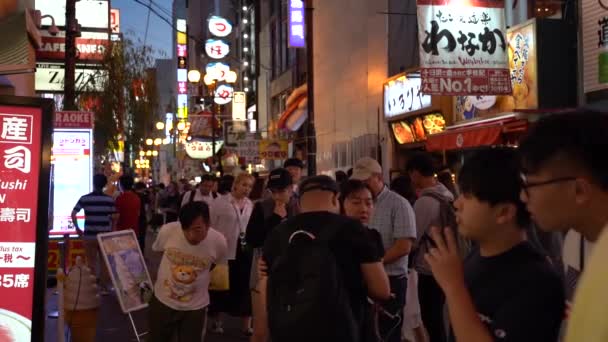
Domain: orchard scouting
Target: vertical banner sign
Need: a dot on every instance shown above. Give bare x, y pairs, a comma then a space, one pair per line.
297, 24
22, 218
463, 47
239, 106
595, 44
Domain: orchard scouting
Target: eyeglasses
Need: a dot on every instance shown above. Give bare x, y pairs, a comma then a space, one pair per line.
527, 184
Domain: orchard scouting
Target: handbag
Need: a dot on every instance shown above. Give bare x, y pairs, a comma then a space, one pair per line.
219, 278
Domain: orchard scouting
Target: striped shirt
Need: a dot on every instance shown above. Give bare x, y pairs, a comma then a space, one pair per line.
98, 208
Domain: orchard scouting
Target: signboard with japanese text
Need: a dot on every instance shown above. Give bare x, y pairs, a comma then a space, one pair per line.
74, 250
202, 149
74, 119
403, 95
49, 77
523, 68
128, 270
274, 149
246, 147
223, 94
24, 171
297, 24
72, 176
219, 26
239, 106
115, 20
463, 49
216, 48
594, 44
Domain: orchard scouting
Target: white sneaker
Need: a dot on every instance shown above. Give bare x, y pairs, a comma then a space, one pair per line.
217, 327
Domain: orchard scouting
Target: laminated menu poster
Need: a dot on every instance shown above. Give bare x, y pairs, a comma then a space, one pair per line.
127, 269
24, 171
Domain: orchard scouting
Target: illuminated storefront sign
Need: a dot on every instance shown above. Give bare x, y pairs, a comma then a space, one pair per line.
115, 20
223, 94
182, 87
181, 51
403, 95
219, 26
182, 72
89, 13
49, 77
239, 106
216, 48
297, 34
463, 47
202, 149
218, 71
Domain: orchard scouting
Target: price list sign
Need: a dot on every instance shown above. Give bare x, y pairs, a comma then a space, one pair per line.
463, 47
23, 215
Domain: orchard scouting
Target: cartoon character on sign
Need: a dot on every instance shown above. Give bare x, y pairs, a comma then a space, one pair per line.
18, 158
181, 284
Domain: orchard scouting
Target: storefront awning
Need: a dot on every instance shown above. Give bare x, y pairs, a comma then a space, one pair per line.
468, 137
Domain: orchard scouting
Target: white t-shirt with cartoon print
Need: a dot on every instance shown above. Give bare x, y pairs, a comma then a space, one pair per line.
183, 275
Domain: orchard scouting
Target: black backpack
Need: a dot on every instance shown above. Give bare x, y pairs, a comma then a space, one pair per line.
307, 299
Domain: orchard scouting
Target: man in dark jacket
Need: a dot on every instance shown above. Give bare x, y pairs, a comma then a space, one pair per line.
267, 214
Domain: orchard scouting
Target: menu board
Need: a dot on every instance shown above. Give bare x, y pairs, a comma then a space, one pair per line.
20, 171
72, 170
418, 128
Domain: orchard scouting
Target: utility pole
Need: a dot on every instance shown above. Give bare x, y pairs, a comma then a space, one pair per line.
311, 143
71, 31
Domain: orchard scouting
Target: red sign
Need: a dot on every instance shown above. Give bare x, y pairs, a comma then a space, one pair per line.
463, 47
74, 119
88, 48
115, 20
20, 165
182, 51
182, 88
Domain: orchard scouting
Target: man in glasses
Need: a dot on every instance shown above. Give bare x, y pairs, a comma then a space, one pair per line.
506, 290
566, 187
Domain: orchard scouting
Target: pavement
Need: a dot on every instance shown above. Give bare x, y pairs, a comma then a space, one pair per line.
113, 325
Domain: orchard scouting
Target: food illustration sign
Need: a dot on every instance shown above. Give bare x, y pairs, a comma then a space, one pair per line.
523, 71
127, 269
20, 169
418, 128
273, 149
463, 49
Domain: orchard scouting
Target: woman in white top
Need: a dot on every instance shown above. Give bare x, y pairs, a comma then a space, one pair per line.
230, 215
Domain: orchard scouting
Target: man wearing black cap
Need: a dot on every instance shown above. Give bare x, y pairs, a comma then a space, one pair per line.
322, 268
267, 214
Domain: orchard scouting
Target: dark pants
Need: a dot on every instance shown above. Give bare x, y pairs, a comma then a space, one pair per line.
390, 328
431, 299
165, 323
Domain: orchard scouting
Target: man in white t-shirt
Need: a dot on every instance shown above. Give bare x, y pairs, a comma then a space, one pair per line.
181, 294
202, 193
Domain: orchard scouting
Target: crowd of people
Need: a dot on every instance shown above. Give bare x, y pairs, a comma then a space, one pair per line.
350, 258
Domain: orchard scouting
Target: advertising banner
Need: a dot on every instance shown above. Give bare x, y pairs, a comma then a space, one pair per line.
50, 77
594, 21
297, 24
463, 49
89, 13
404, 95
127, 269
72, 176
239, 106
91, 46
24, 171
274, 149
115, 20
74, 119
523, 68
202, 148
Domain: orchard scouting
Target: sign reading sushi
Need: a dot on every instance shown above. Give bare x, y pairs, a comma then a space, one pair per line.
20, 165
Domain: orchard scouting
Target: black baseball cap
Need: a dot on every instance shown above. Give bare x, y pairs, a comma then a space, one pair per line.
318, 183
279, 179
293, 162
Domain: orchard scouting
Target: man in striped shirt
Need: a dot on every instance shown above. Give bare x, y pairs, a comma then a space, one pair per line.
99, 217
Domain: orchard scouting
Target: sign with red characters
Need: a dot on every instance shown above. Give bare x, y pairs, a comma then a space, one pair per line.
20, 170
53, 48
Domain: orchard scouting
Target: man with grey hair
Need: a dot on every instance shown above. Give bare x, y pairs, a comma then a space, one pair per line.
394, 219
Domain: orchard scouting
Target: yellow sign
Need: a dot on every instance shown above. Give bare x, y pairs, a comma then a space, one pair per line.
274, 149
182, 39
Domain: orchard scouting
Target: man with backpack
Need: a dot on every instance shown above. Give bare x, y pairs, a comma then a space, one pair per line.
433, 208
394, 219
321, 270
203, 193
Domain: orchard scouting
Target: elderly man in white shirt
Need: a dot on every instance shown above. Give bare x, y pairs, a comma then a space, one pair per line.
230, 216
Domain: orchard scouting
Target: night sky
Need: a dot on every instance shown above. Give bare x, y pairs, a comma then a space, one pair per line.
133, 22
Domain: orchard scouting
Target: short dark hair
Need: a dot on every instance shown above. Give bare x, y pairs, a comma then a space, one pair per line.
492, 175
350, 187
225, 184
295, 162
341, 176
126, 182
349, 172
404, 187
140, 186
191, 211
100, 181
421, 162
579, 137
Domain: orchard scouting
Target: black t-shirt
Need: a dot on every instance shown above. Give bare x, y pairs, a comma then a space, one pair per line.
518, 295
351, 247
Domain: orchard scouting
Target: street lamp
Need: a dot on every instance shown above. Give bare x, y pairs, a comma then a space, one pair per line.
149, 142
142, 153
166, 141
154, 153
160, 125
181, 126
194, 76
158, 141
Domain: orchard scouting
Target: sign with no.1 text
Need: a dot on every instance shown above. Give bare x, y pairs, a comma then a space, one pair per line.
20, 167
463, 47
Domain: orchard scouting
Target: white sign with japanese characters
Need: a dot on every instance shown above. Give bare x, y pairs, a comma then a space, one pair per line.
403, 95
595, 44
17, 254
